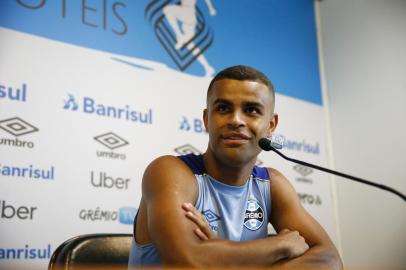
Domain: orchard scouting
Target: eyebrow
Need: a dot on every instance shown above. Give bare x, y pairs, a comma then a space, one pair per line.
221, 101
246, 104
254, 104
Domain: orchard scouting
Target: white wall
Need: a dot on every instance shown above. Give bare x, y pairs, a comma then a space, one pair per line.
364, 44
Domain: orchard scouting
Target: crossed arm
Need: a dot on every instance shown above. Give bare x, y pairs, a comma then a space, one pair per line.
322, 253
288, 213
168, 183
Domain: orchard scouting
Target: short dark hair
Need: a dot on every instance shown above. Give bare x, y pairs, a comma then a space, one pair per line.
243, 73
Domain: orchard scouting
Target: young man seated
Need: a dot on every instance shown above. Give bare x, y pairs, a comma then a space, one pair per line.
213, 209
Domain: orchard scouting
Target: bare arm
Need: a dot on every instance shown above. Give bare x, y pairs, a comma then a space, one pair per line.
288, 213
289, 218
168, 183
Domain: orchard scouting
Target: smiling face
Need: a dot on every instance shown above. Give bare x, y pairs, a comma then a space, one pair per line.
238, 114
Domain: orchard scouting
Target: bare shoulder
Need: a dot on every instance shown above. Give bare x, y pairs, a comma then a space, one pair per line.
280, 185
168, 174
167, 166
275, 174
284, 199
167, 183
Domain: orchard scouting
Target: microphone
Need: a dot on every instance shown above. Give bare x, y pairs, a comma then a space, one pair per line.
276, 142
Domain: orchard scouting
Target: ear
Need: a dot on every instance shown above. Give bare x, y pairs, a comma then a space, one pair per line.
206, 119
273, 123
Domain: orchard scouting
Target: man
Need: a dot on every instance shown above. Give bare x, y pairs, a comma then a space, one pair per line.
237, 198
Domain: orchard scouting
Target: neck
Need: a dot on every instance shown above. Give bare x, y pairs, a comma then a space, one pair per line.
235, 175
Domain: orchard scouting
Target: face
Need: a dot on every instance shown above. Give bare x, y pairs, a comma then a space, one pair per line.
238, 114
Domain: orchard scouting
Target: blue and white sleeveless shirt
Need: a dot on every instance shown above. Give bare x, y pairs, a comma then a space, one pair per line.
237, 213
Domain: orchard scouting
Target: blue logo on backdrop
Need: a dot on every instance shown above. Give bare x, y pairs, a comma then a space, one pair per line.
194, 125
125, 112
14, 93
29, 172
126, 215
70, 103
179, 34
300, 146
254, 215
26, 253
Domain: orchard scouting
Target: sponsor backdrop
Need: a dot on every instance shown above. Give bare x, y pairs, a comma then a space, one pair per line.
92, 91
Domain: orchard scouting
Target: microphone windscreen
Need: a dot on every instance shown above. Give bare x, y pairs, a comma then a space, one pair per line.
265, 144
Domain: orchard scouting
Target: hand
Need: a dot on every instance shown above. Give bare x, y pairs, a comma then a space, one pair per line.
203, 230
295, 243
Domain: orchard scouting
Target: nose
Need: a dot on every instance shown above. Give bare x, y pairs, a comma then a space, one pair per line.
236, 119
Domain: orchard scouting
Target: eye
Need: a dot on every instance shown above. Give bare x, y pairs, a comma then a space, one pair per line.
223, 108
253, 110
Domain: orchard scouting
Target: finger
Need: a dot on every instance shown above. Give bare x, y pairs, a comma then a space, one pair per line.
204, 227
196, 219
199, 219
186, 206
207, 230
196, 212
210, 234
201, 235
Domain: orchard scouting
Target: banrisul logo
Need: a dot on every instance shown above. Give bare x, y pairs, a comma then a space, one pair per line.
16, 127
70, 103
254, 215
14, 93
30, 172
111, 141
89, 105
195, 125
26, 252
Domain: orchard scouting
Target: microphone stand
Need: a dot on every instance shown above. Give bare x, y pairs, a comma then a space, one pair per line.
394, 191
